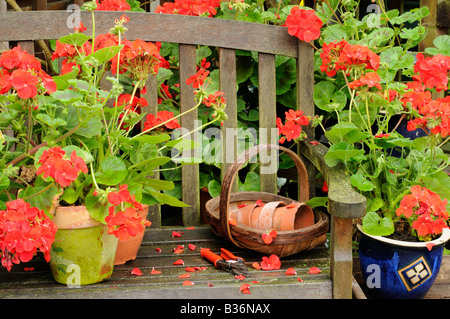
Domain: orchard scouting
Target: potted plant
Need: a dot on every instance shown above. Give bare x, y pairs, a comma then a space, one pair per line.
367, 82
86, 153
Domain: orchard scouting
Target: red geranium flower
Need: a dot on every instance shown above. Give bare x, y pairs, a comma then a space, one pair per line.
433, 70
304, 24
370, 79
425, 209
112, 5
55, 165
24, 83
161, 117
11, 59
197, 79
190, 7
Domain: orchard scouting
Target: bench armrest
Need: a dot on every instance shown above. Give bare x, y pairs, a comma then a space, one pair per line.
343, 200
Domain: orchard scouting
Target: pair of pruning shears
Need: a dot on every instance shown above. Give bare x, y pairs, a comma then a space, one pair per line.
226, 261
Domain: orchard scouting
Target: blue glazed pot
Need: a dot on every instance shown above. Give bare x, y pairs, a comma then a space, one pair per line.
394, 269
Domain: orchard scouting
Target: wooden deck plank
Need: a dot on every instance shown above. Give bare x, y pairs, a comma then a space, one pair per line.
272, 284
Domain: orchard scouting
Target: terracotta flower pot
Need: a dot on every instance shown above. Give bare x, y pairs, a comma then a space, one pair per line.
83, 252
275, 215
127, 249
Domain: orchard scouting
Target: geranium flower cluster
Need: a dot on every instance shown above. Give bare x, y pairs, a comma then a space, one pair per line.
434, 115
138, 59
126, 222
55, 164
433, 71
425, 211
216, 100
337, 56
24, 230
291, 129
112, 5
21, 72
206, 8
304, 24
161, 117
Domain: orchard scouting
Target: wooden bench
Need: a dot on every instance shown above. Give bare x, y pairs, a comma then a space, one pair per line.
344, 204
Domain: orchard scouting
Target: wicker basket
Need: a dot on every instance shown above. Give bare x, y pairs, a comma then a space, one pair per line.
287, 242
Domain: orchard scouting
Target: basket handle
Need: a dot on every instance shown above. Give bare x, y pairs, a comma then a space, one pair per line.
233, 169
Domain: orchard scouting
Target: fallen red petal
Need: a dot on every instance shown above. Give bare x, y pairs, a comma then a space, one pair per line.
240, 277
242, 205
255, 282
155, 272
267, 239
259, 203
232, 221
290, 271
292, 205
179, 262
256, 265
136, 271
273, 233
314, 270
300, 279
245, 289
184, 276
430, 246
210, 284
192, 247
28, 268
190, 228
188, 283
190, 269
158, 250
176, 234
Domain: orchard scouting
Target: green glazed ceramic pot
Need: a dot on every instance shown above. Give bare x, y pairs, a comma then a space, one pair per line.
83, 252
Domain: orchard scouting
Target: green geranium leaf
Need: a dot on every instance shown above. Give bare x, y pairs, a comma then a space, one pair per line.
167, 199
112, 171
143, 152
69, 196
251, 183
44, 200
214, 188
442, 45
345, 132
343, 153
103, 55
62, 81
373, 224
327, 98
76, 39
317, 201
95, 208
361, 183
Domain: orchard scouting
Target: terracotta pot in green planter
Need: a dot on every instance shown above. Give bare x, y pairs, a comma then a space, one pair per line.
127, 249
83, 252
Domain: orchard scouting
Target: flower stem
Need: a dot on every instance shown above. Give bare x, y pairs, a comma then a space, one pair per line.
40, 192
